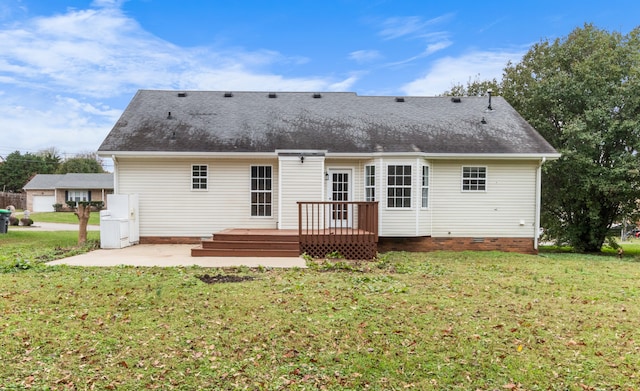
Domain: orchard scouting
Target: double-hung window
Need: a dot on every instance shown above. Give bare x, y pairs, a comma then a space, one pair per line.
399, 186
199, 176
425, 186
261, 191
369, 183
78, 195
474, 178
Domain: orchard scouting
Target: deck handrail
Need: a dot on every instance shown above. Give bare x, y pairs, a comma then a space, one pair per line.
338, 221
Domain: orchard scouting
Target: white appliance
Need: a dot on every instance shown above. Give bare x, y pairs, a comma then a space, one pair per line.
119, 225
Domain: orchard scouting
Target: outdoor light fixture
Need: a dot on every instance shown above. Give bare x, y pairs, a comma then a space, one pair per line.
301, 159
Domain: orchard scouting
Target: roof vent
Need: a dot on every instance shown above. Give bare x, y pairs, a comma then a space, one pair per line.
483, 121
169, 116
182, 94
399, 99
272, 95
317, 96
489, 91
456, 99
228, 94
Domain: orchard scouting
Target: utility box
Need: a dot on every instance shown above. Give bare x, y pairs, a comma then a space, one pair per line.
119, 226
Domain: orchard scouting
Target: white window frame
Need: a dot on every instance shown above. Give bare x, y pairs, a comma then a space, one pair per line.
78, 195
403, 187
424, 201
196, 177
370, 182
266, 192
474, 179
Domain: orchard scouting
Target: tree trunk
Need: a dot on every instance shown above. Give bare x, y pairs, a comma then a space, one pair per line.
83, 213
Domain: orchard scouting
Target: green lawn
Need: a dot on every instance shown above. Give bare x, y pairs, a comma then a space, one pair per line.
424, 321
63, 217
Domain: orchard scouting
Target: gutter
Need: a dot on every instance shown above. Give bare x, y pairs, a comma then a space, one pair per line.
538, 203
115, 175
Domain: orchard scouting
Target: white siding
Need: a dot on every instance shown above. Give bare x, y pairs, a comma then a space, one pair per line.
505, 209
169, 207
299, 182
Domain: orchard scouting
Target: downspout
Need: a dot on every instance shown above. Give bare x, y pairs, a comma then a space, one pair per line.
418, 197
538, 202
280, 193
115, 175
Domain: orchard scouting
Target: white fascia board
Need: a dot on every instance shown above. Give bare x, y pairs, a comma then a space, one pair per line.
199, 155
492, 156
449, 156
308, 152
301, 152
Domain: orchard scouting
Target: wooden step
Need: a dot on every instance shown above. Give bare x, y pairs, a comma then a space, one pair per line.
237, 237
249, 244
238, 242
227, 252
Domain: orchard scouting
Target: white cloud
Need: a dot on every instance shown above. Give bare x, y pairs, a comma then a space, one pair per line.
449, 71
103, 53
429, 50
67, 124
411, 26
363, 56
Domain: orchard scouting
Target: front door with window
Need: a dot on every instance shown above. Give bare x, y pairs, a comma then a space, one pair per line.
340, 190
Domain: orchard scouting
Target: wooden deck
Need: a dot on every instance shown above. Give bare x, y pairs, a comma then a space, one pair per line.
316, 236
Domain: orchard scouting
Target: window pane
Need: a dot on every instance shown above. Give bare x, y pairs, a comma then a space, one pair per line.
399, 186
261, 190
474, 178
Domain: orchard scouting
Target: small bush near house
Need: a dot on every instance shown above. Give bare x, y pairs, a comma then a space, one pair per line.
58, 207
14, 221
27, 222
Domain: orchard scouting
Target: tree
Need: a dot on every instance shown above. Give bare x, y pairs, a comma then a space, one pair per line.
582, 93
476, 87
86, 163
51, 158
18, 169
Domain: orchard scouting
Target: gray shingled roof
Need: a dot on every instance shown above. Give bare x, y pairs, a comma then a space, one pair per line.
70, 181
207, 121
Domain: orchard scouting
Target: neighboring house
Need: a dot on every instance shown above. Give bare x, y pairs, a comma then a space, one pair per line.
446, 173
45, 190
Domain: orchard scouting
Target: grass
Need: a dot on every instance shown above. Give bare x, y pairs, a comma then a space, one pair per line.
63, 217
424, 321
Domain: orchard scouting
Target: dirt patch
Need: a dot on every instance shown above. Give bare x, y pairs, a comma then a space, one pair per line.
218, 279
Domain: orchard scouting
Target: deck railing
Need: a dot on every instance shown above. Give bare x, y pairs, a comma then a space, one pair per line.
349, 228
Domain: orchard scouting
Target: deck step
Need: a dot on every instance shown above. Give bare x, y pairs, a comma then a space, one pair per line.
230, 252
249, 244
233, 237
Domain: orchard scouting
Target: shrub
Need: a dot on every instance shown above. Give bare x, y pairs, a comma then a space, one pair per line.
58, 207
13, 220
27, 222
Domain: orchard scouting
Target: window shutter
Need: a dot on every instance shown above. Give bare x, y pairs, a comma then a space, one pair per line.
66, 195
89, 196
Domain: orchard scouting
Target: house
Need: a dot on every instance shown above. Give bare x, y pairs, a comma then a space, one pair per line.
45, 190
440, 172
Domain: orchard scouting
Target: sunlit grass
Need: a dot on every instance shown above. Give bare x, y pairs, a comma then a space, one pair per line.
63, 217
424, 321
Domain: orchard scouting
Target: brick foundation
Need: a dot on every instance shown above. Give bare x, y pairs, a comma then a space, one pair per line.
169, 240
517, 245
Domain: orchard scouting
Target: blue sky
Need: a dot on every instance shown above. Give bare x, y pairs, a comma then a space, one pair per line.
69, 68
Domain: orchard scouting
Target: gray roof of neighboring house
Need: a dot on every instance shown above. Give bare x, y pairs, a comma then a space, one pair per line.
70, 181
207, 121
